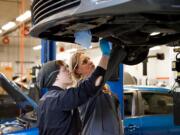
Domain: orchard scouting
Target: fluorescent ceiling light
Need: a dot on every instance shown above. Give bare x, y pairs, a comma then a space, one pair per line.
71, 50
38, 47
155, 48
8, 26
155, 33
176, 47
23, 17
63, 56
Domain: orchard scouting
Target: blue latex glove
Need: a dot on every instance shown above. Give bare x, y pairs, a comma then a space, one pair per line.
83, 38
105, 47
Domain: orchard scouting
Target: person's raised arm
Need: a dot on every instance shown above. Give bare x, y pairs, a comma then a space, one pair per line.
75, 97
105, 49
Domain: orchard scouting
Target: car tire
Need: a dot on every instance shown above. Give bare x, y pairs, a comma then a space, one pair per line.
134, 58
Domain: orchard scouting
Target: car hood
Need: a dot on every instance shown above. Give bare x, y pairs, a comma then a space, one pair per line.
22, 100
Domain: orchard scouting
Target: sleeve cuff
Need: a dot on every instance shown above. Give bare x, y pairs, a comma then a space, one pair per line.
99, 71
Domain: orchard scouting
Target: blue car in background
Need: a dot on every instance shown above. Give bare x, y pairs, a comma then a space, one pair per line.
148, 111
17, 110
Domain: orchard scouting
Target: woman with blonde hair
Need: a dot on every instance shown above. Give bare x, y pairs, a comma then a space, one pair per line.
101, 114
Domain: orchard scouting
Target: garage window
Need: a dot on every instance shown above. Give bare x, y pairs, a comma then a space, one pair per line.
157, 103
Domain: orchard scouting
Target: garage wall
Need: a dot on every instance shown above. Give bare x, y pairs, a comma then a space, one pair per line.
95, 55
10, 55
159, 68
156, 68
159, 71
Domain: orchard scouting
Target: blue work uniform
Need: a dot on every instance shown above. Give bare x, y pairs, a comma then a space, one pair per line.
56, 108
101, 115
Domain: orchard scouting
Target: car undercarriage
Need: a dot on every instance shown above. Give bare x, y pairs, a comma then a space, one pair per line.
128, 24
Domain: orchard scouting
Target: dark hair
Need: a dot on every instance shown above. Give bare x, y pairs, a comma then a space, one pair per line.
48, 73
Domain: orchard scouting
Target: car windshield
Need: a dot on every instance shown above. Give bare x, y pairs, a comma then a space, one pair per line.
8, 107
157, 103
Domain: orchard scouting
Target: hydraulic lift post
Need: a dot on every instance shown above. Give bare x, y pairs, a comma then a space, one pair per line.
48, 53
48, 50
117, 88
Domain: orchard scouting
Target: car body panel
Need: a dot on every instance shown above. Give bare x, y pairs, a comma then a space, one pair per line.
156, 125
14, 91
147, 88
152, 124
132, 126
32, 131
126, 23
97, 8
17, 109
7, 120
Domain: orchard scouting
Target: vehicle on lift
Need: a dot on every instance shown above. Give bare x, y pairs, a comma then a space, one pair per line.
16, 110
148, 111
134, 25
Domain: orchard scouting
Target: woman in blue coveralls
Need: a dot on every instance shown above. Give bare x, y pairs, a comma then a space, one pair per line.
56, 107
101, 114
